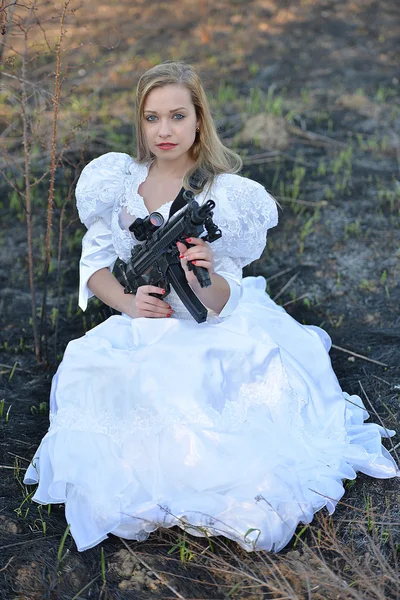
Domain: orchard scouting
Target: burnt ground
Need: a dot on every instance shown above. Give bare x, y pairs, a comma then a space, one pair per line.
333, 261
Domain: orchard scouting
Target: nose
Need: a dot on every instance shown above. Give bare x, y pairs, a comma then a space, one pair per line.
165, 128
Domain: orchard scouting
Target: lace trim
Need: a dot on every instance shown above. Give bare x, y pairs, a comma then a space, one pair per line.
234, 415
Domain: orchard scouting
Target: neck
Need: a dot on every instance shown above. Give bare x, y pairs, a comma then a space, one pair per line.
172, 170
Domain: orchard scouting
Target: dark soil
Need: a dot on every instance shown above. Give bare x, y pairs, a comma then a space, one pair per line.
336, 65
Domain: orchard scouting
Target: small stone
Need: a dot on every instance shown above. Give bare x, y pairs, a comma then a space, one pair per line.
124, 585
8, 526
293, 554
266, 131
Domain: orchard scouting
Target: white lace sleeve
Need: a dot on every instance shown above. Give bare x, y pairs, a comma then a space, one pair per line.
101, 185
99, 188
244, 212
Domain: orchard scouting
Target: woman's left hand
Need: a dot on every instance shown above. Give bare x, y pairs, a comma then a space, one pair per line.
200, 254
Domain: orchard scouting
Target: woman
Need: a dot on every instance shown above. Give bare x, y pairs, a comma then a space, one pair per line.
236, 426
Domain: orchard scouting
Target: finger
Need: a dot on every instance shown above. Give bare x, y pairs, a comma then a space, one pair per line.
151, 315
195, 241
197, 254
147, 289
147, 299
149, 303
203, 263
155, 311
181, 247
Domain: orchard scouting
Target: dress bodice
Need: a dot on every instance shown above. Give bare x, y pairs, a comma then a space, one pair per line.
108, 202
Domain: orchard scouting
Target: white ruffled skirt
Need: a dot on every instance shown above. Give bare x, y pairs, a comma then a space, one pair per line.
236, 427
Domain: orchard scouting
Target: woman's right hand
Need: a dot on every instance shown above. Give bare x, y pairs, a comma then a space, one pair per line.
149, 306
105, 286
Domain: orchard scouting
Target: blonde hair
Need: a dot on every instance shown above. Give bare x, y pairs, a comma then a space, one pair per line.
209, 153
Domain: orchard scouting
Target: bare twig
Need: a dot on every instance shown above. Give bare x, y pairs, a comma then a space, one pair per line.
5, 18
148, 567
27, 82
279, 274
258, 159
380, 379
31, 541
394, 447
53, 165
2, 365
296, 299
303, 202
315, 137
78, 595
377, 416
60, 238
285, 287
11, 468
28, 204
7, 564
376, 362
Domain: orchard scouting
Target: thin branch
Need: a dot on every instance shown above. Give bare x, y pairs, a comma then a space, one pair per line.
45, 37
148, 567
7, 564
378, 417
3, 366
26, 81
296, 299
53, 162
303, 202
286, 286
12, 184
4, 20
376, 362
315, 137
394, 447
28, 205
31, 541
279, 274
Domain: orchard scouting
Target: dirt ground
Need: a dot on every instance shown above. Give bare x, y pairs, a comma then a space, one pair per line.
333, 261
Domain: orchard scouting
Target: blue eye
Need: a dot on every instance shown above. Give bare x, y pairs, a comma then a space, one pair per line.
152, 118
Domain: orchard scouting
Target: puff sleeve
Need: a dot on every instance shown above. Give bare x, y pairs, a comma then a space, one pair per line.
99, 188
244, 212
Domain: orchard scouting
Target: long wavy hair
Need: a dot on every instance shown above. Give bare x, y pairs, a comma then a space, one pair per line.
209, 153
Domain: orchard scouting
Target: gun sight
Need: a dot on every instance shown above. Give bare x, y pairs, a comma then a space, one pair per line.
143, 229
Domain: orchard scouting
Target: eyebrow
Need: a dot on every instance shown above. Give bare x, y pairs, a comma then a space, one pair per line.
171, 111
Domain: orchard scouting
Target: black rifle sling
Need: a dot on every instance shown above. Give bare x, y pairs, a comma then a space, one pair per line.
179, 201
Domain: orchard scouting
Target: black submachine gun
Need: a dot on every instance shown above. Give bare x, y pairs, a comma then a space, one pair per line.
156, 261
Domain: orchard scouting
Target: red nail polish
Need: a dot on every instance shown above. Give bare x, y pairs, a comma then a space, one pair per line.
194, 261
188, 239
181, 256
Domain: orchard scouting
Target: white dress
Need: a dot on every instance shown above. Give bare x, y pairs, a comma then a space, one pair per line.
236, 426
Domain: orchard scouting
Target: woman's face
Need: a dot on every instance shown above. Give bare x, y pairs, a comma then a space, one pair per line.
169, 122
